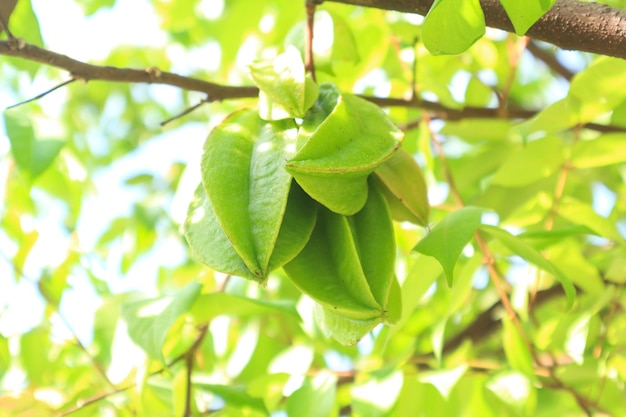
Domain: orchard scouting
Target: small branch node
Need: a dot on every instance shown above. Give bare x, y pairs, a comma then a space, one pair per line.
154, 72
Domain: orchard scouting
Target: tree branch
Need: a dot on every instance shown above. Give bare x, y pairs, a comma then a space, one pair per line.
217, 92
88, 72
570, 24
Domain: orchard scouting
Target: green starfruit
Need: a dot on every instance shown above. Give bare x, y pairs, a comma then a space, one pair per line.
342, 140
403, 184
347, 265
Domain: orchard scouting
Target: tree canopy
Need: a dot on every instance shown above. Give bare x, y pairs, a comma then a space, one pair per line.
339, 208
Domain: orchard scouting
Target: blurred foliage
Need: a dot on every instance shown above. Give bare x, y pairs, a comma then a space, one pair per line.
103, 311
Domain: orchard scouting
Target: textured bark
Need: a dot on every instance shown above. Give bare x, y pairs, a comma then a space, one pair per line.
570, 24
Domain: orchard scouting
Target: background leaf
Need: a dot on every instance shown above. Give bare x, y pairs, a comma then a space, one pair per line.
452, 26
150, 320
527, 252
523, 16
33, 155
448, 238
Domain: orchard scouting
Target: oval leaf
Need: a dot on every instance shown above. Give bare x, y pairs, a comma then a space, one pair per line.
452, 26
33, 155
521, 248
448, 238
524, 14
149, 320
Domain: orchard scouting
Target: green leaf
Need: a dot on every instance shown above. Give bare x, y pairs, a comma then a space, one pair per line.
515, 390
478, 130
403, 184
452, 26
285, 90
558, 116
421, 276
605, 150
367, 394
24, 24
570, 258
580, 213
211, 305
516, 351
315, 397
235, 396
521, 248
35, 346
394, 303
342, 140
524, 14
444, 380
5, 355
534, 161
33, 155
149, 320
448, 238
92, 6
595, 87
244, 179
592, 93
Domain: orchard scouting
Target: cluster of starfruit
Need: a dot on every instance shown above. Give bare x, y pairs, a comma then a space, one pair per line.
309, 183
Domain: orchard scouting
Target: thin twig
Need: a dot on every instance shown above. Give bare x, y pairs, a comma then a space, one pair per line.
54, 306
559, 190
45, 93
454, 191
515, 50
97, 398
309, 63
550, 60
488, 257
4, 20
496, 278
189, 361
186, 112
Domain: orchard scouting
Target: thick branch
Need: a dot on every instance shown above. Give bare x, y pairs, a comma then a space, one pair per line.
570, 24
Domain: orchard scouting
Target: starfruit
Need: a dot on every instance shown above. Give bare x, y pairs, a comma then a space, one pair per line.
403, 184
347, 266
244, 199
284, 89
343, 139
